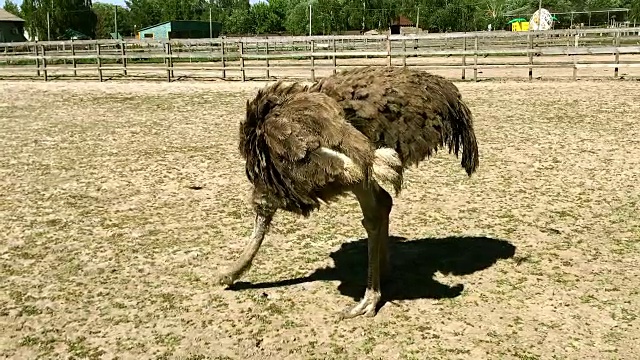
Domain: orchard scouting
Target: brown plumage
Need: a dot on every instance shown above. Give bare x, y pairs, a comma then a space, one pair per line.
351, 132
281, 140
409, 111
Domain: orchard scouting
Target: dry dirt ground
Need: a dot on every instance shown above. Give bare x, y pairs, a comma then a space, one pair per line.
120, 201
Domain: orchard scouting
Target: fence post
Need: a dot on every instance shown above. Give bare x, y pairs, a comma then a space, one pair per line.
475, 59
35, 49
464, 58
404, 52
169, 62
164, 51
224, 71
99, 61
123, 52
388, 50
241, 48
267, 53
313, 66
73, 59
165, 59
44, 64
575, 59
333, 47
617, 54
366, 47
530, 38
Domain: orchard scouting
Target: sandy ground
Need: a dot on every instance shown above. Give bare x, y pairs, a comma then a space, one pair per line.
120, 201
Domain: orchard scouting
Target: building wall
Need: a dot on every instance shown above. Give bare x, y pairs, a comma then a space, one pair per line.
181, 30
194, 29
11, 31
157, 32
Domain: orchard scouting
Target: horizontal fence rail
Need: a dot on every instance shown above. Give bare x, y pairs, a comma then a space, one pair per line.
311, 56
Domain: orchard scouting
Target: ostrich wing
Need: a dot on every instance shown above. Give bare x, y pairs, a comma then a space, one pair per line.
415, 113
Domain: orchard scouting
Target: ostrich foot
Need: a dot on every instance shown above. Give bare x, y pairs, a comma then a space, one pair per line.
366, 306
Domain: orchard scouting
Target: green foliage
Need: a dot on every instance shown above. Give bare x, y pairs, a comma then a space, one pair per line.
239, 21
264, 19
105, 24
634, 9
12, 8
292, 16
144, 12
297, 20
63, 15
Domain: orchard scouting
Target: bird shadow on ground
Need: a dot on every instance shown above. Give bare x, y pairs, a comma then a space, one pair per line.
413, 265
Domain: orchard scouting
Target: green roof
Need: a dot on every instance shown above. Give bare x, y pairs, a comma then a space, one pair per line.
517, 20
154, 25
186, 24
73, 34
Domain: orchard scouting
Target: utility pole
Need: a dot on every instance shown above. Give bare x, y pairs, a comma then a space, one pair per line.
418, 18
49, 21
309, 19
115, 20
210, 24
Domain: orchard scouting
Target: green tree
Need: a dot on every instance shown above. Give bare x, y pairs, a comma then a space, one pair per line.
12, 8
105, 24
238, 22
62, 15
265, 19
144, 13
297, 21
634, 9
327, 17
184, 10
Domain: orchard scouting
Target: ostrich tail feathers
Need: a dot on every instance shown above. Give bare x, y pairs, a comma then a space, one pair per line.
470, 158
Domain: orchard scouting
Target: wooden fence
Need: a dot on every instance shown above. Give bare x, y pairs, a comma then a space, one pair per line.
315, 56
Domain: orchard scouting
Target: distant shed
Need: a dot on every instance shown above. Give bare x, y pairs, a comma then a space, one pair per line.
398, 23
180, 29
11, 27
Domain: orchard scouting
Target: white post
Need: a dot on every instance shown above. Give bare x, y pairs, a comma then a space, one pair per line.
364, 10
309, 19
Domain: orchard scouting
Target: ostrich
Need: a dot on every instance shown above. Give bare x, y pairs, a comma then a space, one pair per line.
352, 132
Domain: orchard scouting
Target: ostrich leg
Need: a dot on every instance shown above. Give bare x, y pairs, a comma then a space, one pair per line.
376, 205
260, 228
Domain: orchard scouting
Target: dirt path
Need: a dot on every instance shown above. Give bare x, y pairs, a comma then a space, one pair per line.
107, 250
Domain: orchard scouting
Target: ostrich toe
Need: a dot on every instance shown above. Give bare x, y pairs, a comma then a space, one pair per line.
366, 306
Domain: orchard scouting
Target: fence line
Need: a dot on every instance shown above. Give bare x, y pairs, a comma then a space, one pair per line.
287, 39
309, 54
